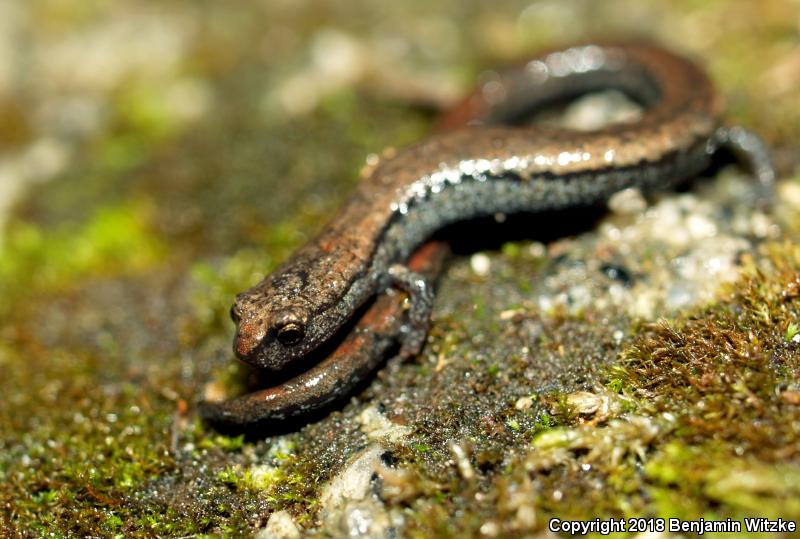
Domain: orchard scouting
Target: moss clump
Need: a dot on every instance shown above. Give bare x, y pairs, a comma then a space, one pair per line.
690, 480
727, 377
113, 240
729, 374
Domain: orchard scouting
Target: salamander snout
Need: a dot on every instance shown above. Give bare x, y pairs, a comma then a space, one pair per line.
250, 332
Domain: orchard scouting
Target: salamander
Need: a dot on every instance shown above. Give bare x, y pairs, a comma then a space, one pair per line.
486, 161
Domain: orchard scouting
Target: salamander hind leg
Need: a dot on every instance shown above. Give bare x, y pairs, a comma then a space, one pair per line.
751, 150
420, 296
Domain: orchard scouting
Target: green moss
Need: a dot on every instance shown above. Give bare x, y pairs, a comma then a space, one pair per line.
511, 249
144, 110
268, 478
114, 240
792, 330
226, 443
730, 361
229, 476
544, 421
688, 481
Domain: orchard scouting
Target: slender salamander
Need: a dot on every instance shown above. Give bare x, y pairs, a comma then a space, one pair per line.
492, 165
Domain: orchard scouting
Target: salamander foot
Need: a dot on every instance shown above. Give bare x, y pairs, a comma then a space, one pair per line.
420, 296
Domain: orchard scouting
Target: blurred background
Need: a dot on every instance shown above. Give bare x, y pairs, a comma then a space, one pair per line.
91, 90
155, 157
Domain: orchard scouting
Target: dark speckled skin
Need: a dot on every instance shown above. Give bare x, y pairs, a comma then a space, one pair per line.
485, 168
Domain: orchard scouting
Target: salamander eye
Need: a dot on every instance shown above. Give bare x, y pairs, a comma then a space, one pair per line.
291, 333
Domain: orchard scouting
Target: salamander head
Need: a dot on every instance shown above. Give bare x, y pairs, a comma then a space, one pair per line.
274, 322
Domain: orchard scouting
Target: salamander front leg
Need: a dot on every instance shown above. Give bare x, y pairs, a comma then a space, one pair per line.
419, 315
748, 148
